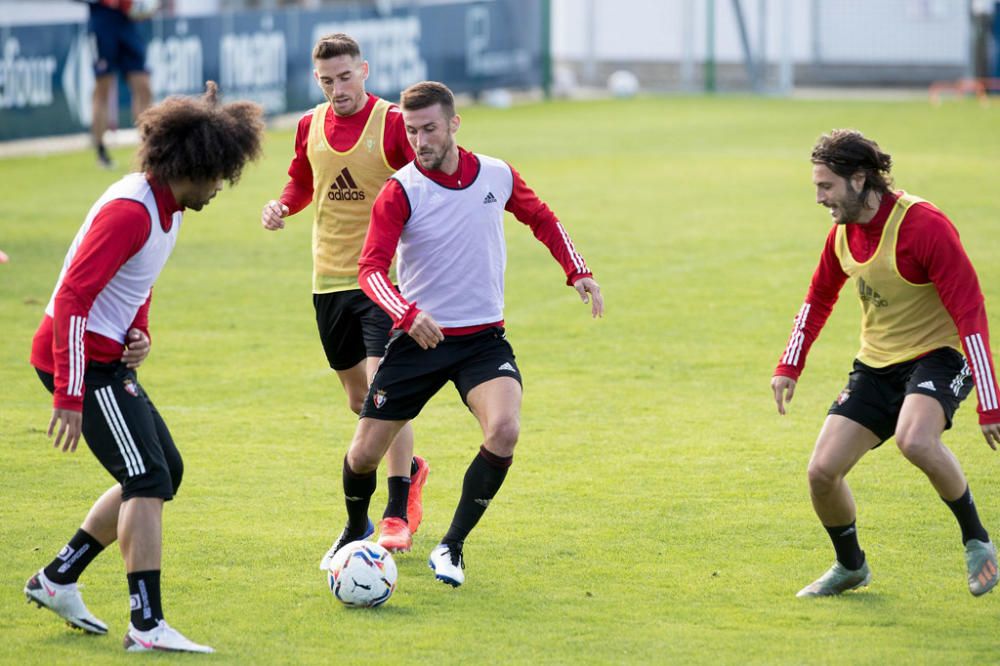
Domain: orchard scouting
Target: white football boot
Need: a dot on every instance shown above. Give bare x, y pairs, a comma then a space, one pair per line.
63, 600
162, 637
447, 563
837, 580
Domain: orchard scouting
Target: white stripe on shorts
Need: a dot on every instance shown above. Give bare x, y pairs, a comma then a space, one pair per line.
123, 437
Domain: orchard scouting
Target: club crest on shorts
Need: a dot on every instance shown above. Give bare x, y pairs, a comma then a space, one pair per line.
379, 398
844, 395
131, 388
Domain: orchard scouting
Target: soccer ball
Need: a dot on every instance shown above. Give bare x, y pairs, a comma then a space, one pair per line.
362, 574
623, 84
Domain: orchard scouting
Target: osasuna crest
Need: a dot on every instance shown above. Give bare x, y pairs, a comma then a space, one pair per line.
844, 395
131, 388
379, 398
370, 144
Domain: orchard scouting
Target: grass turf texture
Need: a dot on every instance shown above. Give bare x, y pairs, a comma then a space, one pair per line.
657, 510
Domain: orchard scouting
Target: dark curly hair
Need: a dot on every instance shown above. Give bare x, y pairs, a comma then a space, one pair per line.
199, 139
846, 151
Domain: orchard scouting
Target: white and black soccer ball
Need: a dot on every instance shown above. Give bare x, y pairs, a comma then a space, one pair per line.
140, 10
362, 574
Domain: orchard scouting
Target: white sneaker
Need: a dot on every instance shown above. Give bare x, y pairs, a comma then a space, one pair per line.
447, 563
161, 637
343, 540
837, 580
63, 600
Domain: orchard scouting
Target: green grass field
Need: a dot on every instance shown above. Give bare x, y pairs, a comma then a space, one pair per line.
657, 510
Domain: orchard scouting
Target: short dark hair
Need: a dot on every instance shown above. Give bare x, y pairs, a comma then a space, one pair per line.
198, 138
428, 93
847, 151
336, 44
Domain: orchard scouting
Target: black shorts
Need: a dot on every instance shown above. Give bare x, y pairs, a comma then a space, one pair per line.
874, 397
351, 327
126, 433
409, 376
119, 42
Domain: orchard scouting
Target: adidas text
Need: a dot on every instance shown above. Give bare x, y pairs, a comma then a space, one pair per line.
350, 195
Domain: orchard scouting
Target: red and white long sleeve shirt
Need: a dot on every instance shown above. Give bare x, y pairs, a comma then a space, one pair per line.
928, 250
448, 229
106, 283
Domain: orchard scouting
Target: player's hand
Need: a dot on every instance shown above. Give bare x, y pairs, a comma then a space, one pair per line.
991, 431
425, 331
784, 389
590, 292
70, 426
272, 217
136, 348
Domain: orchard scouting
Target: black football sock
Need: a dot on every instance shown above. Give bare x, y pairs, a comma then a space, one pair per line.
965, 512
399, 495
358, 491
144, 599
482, 481
845, 542
73, 558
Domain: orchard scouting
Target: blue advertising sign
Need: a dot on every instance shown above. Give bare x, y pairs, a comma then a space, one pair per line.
47, 81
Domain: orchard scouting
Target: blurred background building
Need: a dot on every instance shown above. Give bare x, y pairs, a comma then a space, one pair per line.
259, 49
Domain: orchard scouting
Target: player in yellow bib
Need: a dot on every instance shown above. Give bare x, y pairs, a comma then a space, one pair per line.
921, 308
345, 149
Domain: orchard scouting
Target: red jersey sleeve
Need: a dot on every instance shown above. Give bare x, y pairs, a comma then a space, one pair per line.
298, 191
931, 242
117, 232
824, 290
398, 150
389, 213
525, 205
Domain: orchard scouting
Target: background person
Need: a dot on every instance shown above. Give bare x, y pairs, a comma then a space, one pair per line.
120, 46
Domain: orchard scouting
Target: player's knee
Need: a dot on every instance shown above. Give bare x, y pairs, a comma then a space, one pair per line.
915, 446
822, 477
502, 437
362, 457
355, 403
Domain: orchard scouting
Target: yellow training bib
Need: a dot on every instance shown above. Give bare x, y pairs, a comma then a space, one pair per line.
345, 185
900, 320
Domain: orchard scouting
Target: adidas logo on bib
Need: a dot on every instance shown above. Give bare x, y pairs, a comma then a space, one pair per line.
489, 198
345, 189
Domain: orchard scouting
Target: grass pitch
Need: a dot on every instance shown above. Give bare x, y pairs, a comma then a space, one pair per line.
657, 510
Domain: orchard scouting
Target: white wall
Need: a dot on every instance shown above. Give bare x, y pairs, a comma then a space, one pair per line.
842, 31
